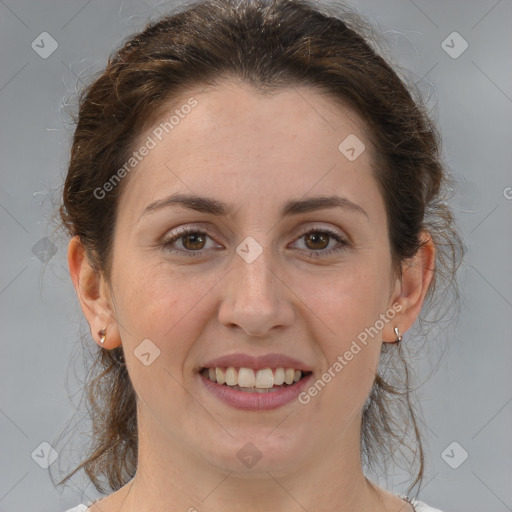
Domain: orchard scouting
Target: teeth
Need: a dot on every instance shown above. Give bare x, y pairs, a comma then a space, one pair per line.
264, 379
279, 377
247, 379
221, 378
255, 390
231, 379
289, 374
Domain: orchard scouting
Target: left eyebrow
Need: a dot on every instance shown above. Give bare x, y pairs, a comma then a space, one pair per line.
218, 208
319, 203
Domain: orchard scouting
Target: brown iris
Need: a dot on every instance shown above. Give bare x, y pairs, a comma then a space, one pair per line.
316, 236
197, 238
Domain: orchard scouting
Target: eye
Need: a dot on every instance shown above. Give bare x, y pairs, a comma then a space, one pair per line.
192, 239
318, 239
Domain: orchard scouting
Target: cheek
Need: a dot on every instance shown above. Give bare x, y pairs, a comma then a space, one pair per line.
164, 305
349, 299
167, 308
349, 305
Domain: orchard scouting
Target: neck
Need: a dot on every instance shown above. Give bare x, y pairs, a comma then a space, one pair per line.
176, 479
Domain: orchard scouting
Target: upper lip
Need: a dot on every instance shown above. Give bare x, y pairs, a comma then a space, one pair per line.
257, 362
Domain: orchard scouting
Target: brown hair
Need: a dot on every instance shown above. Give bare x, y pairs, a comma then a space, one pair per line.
270, 44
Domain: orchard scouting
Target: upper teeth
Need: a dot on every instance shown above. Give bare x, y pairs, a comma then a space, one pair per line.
248, 378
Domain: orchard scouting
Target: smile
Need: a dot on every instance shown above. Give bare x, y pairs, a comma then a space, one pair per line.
249, 389
251, 381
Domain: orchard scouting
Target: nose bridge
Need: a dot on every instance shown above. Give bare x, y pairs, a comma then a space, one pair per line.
253, 278
254, 298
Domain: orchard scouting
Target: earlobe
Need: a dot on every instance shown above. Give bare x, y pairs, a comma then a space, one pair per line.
91, 292
417, 275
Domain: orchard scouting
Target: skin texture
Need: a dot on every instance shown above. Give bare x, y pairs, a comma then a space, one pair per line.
256, 152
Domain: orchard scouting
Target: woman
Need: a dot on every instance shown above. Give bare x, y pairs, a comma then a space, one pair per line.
255, 205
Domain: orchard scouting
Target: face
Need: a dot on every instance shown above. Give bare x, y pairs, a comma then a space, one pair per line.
251, 285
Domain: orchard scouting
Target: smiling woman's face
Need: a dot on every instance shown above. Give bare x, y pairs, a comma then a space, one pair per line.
283, 293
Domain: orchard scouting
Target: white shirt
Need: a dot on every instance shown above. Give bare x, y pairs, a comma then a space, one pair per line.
421, 507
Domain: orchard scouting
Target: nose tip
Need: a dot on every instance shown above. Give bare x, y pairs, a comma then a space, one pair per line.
254, 299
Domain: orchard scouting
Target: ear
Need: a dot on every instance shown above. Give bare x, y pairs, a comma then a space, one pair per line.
93, 294
412, 287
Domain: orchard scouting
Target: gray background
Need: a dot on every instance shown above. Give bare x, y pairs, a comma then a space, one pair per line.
467, 399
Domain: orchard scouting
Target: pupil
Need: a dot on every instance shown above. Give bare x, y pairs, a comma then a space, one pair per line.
319, 235
196, 236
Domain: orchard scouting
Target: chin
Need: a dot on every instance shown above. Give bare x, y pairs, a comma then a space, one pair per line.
250, 456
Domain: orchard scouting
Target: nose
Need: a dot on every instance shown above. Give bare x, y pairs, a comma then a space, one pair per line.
255, 298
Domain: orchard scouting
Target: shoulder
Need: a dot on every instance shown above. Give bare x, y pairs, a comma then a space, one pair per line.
423, 507
79, 508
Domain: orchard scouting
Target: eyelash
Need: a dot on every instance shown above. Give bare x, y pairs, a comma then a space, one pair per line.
167, 243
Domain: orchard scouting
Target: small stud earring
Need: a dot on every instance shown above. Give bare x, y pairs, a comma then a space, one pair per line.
398, 335
103, 335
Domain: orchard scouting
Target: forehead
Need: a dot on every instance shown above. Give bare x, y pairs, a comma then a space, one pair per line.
241, 145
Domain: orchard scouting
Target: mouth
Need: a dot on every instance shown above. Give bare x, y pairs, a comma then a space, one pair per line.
249, 380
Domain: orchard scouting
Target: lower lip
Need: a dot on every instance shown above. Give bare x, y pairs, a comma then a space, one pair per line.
256, 401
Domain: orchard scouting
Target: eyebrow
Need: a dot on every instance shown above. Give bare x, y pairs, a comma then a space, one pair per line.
218, 208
